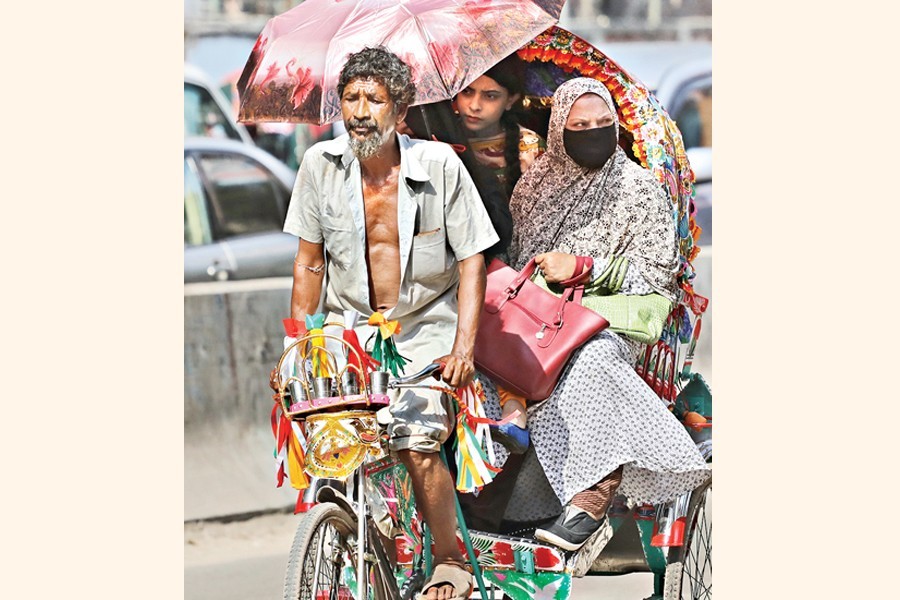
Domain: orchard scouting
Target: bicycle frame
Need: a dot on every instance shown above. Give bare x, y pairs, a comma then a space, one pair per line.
563, 567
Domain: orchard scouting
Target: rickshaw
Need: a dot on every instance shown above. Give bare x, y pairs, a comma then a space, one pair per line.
361, 536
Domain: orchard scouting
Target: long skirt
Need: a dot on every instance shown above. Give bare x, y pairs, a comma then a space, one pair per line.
601, 415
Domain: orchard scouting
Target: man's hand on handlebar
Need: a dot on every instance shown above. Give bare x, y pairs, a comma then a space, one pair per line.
458, 370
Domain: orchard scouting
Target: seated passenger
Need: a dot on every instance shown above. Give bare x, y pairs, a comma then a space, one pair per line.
488, 110
603, 429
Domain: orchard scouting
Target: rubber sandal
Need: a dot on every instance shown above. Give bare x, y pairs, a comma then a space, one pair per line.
514, 438
449, 574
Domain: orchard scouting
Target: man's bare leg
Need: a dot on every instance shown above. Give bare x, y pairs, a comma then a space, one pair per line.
433, 487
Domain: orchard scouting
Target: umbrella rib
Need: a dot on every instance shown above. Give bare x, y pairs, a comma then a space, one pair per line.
428, 40
322, 117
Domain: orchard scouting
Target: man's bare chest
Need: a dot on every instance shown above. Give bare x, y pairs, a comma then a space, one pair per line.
380, 204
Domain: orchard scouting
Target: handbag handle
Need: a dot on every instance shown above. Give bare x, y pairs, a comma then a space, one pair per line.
570, 294
530, 267
580, 263
527, 271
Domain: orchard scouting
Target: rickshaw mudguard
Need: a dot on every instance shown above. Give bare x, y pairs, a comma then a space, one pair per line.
656, 558
329, 494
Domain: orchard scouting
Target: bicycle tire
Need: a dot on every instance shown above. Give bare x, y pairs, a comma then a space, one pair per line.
689, 569
309, 540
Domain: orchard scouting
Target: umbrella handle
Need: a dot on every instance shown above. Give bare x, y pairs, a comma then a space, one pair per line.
424, 114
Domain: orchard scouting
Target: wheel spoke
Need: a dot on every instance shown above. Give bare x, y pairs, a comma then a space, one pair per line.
319, 553
697, 572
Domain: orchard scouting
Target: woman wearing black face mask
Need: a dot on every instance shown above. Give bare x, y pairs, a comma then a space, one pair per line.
603, 430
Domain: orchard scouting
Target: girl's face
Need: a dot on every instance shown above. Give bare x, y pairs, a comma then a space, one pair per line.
482, 104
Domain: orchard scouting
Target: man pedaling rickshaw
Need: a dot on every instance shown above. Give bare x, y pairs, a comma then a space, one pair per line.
403, 228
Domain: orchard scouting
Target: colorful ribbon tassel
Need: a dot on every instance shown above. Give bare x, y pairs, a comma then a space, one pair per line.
289, 453
315, 325
384, 349
473, 446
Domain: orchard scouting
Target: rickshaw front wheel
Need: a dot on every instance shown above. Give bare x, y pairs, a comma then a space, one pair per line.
317, 557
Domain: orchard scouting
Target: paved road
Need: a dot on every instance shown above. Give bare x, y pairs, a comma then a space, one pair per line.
246, 561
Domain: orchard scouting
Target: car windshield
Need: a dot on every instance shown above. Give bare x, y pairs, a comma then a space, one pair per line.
203, 117
244, 196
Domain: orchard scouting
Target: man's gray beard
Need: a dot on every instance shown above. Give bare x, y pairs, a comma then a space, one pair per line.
368, 147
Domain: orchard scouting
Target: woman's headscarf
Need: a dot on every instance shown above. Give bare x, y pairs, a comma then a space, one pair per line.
617, 210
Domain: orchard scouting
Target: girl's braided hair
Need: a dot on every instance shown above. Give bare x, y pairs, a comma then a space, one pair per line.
510, 73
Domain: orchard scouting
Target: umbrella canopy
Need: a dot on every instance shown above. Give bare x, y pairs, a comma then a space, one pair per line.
293, 69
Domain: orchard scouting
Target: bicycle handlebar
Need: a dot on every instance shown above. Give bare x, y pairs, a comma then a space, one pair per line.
432, 370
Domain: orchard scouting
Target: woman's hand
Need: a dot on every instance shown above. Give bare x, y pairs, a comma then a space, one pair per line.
556, 266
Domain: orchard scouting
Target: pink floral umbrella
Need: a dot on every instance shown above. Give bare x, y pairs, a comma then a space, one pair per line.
292, 72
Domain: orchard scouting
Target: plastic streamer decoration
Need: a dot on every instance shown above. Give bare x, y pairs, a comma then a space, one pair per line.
384, 349
289, 452
315, 325
473, 445
290, 442
359, 356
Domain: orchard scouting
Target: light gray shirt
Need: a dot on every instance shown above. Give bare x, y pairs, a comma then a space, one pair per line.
441, 220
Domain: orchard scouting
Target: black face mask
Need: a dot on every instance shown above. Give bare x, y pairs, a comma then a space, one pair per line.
590, 148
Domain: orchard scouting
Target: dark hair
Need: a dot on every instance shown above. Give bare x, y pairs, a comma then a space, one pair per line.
510, 73
384, 66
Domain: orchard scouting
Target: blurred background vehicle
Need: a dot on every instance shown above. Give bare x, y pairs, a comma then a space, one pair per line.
235, 201
680, 76
207, 113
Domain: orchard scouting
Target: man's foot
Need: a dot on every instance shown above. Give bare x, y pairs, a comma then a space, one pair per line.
570, 530
516, 439
448, 582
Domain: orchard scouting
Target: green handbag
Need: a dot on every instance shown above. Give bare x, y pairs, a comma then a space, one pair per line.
640, 318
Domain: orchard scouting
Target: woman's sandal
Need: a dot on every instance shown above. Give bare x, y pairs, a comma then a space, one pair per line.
449, 574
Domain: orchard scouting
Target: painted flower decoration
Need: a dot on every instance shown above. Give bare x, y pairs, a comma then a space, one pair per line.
580, 46
303, 86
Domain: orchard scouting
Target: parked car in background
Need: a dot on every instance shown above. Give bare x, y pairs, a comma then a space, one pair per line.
680, 76
235, 202
207, 113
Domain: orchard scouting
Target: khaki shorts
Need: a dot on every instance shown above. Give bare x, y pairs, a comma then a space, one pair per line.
421, 420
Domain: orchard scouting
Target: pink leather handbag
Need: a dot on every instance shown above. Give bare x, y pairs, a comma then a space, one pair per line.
526, 334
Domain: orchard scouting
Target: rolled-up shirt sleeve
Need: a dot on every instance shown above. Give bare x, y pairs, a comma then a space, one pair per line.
469, 229
303, 211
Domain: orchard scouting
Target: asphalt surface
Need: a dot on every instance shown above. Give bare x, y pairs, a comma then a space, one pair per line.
246, 560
